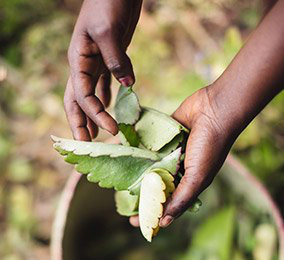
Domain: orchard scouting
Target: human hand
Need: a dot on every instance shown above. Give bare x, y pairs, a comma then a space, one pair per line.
101, 35
209, 142
218, 113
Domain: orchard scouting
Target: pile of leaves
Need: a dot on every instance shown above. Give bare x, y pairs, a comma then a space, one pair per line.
143, 168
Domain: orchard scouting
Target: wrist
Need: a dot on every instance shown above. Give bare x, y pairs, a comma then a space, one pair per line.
233, 113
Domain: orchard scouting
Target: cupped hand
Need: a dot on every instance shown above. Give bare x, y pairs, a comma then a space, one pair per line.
209, 142
98, 46
218, 113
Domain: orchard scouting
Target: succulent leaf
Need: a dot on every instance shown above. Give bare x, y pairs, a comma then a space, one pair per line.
157, 129
152, 196
127, 108
126, 204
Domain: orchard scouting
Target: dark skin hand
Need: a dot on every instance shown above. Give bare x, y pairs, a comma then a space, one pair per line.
216, 114
101, 35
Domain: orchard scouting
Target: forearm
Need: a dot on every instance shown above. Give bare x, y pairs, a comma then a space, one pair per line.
256, 74
217, 114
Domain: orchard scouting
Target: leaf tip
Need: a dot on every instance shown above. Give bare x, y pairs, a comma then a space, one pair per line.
152, 196
54, 138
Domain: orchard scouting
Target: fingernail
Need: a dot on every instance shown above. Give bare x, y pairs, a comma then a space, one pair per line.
126, 81
165, 221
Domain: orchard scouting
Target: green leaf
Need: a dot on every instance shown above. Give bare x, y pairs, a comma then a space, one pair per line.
130, 137
173, 145
157, 129
112, 165
118, 172
127, 108
148, 128
95, 149
108, 164
170, 163
195, 206
126, 204
214, 237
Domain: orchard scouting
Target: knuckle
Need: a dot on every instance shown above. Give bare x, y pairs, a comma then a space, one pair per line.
114, 65
80, 97
101, 31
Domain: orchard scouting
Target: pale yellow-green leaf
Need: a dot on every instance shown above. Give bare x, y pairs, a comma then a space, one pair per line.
168, 179
156, 129
152, 196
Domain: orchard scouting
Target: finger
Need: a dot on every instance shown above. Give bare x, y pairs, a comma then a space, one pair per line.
75, 116
92, 127
103, 88
85, 72
134, 221
94, 109
205, 155
114, 56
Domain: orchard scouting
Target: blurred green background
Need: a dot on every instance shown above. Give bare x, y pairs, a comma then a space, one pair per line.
179, 47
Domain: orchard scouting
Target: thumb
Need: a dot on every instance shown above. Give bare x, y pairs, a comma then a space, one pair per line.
115, 58
205, 154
